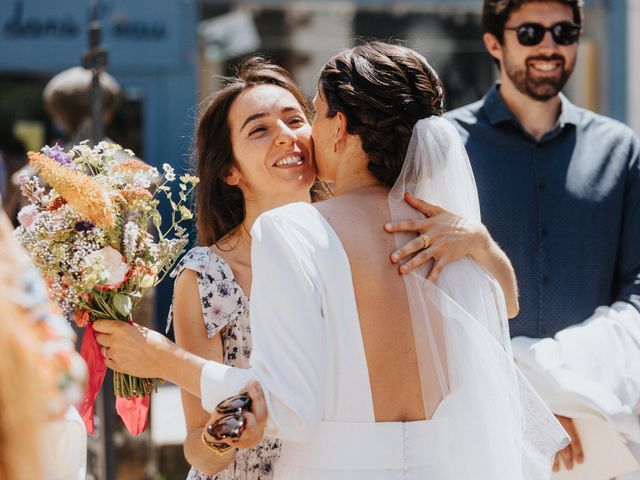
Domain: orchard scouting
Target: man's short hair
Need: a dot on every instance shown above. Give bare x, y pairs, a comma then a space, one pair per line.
496, 13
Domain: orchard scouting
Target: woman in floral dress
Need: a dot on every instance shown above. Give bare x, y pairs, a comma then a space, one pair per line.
225, 310
253, 153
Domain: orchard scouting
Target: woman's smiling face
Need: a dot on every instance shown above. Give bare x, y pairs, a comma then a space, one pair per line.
272, 147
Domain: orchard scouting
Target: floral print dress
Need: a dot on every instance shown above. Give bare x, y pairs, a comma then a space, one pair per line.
225, 308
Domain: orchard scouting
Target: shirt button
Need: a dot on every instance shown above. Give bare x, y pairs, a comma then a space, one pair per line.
546, 279
544, 232
542, 187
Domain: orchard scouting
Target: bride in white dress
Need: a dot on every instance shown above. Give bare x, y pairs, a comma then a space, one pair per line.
367, 374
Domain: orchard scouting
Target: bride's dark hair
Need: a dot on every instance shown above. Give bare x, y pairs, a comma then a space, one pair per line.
383, 90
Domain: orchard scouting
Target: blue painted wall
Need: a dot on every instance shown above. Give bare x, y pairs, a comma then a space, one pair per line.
152, 48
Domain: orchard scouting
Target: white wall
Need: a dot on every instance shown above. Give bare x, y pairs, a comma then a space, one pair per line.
318, 32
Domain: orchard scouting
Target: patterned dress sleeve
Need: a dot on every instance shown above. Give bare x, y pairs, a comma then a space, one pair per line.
221, 298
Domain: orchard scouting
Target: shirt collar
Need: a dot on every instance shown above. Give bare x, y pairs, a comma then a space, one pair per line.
568, 113
498, 112
496, 109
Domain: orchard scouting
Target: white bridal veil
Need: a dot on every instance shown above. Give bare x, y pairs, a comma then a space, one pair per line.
500, 428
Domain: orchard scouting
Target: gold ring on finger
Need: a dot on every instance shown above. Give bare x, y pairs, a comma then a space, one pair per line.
426, 240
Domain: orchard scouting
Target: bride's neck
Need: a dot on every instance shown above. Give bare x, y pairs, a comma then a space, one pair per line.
354, 176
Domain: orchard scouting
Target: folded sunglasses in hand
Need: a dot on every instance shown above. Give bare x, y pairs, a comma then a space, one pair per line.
230, 425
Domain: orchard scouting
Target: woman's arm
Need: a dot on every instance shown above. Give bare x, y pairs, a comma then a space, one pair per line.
451, 238
191, 334
145, 353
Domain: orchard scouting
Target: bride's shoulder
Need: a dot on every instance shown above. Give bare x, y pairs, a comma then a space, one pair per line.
330, 207
294, 223
297, 215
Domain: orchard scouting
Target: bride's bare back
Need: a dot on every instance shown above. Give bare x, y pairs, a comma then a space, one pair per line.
381, 298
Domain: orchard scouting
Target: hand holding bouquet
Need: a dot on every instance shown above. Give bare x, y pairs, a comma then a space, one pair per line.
89, 235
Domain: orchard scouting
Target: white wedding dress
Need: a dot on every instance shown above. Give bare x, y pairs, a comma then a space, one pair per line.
309, 358
323, 410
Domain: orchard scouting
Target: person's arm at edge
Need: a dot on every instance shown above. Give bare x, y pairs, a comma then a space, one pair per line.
496, 262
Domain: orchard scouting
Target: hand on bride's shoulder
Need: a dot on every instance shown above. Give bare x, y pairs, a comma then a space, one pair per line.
443, 237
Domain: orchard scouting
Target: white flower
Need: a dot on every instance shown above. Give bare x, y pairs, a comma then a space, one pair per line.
185, 212
147, 281
141, 180
27, 215
168, 172
130, 239
186, 178
181, 232
103, 145
113, 264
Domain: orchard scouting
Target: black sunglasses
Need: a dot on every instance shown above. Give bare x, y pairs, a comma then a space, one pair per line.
563, 33
232, 423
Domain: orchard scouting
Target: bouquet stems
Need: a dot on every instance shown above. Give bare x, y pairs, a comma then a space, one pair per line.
127, 386
124, 385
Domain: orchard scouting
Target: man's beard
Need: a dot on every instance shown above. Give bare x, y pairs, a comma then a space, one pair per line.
541, 89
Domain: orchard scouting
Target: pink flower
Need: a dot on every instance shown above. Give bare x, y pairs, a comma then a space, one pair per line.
114, 265
81, 317
27, 215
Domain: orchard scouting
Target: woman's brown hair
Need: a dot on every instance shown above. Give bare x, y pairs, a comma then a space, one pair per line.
383, 90
220, 208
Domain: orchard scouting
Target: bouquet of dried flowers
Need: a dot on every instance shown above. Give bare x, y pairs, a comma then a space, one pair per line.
89, 233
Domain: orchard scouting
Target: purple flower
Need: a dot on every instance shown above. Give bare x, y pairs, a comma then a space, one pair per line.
84, 226
57, 153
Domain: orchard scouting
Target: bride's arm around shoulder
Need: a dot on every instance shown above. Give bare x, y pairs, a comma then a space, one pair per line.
289, 355
286, 313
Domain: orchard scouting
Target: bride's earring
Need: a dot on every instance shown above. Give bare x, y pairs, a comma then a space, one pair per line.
335, 148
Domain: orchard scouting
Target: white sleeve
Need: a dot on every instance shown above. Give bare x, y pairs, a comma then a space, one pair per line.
591, 368
288, 333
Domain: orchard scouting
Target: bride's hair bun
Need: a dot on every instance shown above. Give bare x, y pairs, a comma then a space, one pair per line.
383, 90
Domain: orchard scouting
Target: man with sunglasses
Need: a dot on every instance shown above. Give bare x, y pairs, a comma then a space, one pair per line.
559, 190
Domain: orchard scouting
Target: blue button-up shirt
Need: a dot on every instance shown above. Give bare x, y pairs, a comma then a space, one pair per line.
565, 209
